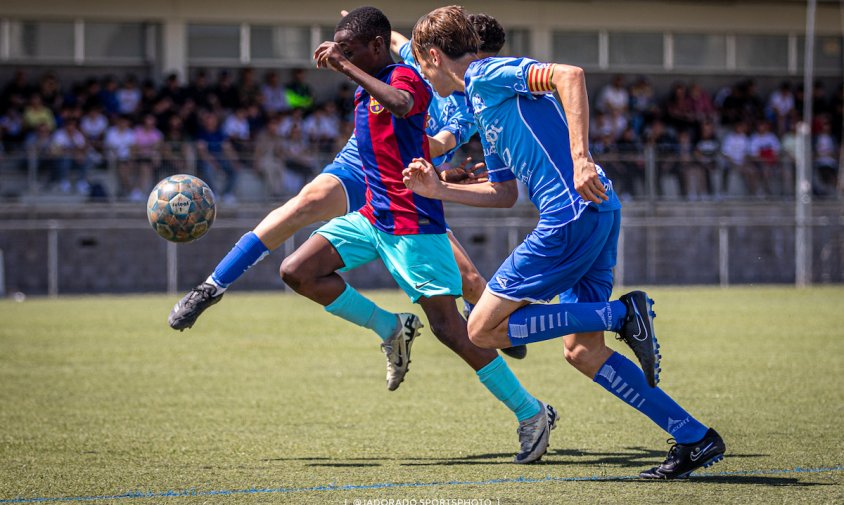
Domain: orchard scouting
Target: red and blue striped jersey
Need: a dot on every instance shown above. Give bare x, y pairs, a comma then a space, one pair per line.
387, 144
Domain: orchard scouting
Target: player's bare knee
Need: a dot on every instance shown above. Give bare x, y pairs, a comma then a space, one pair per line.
483, 336
292, 273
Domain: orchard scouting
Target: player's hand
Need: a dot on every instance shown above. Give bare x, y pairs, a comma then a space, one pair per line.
587, 182
329, 55
460, 175
421, 177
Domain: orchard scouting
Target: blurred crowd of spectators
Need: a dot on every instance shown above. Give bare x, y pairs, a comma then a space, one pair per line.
223, 126
707, 140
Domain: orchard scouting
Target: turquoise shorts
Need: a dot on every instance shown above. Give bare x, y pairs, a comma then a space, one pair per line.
422, 265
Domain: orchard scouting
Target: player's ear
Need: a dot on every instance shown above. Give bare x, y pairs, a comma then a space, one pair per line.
434, 56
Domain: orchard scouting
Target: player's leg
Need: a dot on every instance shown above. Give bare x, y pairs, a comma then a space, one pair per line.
323, 198
696, 444
423, 268
344, 244
557, 258
473, 287
589, 354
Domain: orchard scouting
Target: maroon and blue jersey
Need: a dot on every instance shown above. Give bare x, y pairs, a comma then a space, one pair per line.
387, 144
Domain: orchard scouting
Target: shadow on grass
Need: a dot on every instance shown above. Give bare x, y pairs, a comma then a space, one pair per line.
630, 457
759, 480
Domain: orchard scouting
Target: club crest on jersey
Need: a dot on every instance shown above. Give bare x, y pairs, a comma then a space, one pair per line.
374, 106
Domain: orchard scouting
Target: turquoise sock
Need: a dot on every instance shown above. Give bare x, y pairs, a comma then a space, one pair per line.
503, 384
356, 308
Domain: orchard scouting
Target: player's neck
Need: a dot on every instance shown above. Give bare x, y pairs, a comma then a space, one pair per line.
457, 70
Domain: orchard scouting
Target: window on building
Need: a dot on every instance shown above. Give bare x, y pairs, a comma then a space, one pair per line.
518, 42
636, 49
697, 50
41, 40
827, 53
124, 41
214, 42
576, 48
289, 43
762, 52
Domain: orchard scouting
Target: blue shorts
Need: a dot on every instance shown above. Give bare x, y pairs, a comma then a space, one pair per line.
574, 261
422, 265
353, 182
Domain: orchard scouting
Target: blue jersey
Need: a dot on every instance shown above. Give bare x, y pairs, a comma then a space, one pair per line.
450, 113
349, 155
525, 135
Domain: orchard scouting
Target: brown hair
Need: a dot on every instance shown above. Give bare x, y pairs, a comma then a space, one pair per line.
449, 30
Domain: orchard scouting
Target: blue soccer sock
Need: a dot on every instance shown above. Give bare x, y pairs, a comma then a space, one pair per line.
497, 377
245, 253
625, 380
356, 308
537, 322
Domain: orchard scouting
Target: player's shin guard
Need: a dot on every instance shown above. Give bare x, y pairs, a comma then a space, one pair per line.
503, 384
624, 379
356, 308
538, 322
248, 251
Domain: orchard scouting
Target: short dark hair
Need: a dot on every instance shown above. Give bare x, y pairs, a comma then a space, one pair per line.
365, 24
449, 30
490, 31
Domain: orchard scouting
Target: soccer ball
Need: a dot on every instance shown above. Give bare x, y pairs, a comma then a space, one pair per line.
181, 208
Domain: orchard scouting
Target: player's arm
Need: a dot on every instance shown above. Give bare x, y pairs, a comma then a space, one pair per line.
397, 101
441, 143
570, 84
421, 178
397, 40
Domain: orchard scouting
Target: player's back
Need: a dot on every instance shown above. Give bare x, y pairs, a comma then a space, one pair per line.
524, 132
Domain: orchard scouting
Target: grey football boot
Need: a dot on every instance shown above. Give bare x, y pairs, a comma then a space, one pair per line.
534, 434
397, 349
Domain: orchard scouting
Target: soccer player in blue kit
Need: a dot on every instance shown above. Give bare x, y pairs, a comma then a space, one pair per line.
528, 134
407, 232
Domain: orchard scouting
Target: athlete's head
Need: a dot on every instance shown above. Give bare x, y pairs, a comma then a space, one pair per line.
491, 33
364, 36
439, 38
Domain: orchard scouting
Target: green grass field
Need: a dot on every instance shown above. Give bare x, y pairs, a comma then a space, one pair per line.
270, 400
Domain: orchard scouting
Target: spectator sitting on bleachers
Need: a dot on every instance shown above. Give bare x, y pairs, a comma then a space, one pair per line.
780, 110
643, 105
269, 157
70, 151
37, 114
706, 152
274, 95
764, 149
120, 145
216, 154
299, 95
322, 127
614, 97
734, 148
826, 161
226, 91
148, 142
128, 97
299, 158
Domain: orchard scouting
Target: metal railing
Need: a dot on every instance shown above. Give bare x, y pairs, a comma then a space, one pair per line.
513, 227
265, 172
